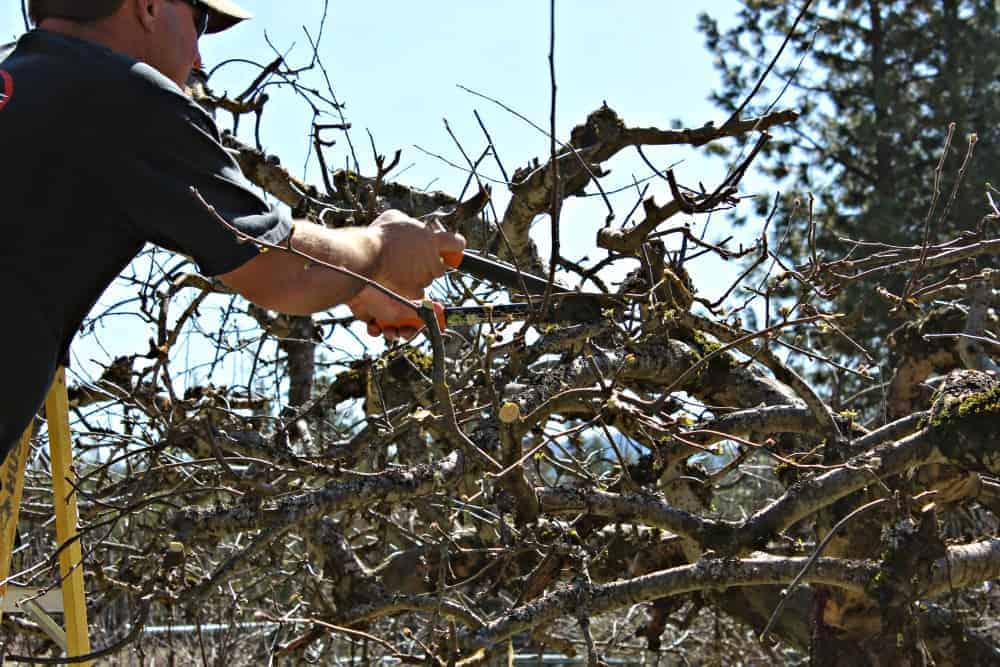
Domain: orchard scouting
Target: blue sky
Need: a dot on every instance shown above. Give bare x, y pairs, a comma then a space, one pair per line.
398, 65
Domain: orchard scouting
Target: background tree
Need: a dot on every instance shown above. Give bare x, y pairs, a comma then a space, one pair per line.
881, 85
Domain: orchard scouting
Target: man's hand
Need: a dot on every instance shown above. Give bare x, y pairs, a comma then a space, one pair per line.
409, 259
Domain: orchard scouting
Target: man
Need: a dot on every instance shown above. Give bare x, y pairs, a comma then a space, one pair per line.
99, 150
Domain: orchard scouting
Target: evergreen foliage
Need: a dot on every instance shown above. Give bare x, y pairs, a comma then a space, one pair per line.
878, 83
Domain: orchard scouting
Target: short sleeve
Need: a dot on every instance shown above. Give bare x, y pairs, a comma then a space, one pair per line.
174, 150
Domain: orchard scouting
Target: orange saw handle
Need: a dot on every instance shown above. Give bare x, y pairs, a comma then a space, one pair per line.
452, 259
415, 322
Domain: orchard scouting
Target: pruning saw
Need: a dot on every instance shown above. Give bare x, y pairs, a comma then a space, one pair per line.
567, 307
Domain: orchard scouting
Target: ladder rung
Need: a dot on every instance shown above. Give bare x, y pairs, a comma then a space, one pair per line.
51, 602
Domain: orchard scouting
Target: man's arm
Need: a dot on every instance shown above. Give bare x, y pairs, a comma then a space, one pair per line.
395, 251
283, 281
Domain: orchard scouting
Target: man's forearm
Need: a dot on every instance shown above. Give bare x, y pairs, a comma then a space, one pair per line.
290, 283
395, 251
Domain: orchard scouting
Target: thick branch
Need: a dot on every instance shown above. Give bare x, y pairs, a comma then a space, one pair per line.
364, 491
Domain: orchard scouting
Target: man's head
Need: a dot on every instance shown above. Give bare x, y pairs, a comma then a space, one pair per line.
162, 33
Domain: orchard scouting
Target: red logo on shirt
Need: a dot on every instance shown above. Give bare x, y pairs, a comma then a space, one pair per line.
6, 88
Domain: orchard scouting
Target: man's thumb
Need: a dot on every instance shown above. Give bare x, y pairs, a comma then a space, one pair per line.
449, 242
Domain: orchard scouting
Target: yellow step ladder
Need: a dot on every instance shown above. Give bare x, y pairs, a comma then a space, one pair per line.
75, 639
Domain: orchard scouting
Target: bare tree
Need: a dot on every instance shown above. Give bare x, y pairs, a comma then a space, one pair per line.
659, 481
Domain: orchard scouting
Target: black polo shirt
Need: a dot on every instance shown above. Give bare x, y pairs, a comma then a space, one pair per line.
98, 153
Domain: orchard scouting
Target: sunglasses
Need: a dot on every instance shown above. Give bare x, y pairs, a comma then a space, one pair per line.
201, 16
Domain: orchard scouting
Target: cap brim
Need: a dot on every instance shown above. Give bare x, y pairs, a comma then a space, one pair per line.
225, 14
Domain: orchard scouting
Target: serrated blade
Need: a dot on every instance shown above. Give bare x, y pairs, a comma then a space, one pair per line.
566, 308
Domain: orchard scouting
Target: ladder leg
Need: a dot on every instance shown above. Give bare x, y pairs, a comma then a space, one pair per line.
70, 557
12, 477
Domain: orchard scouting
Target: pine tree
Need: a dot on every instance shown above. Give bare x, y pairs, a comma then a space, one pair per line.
878, 82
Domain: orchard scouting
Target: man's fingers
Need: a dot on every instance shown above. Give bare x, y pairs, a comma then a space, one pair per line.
448, 242
373, 308
450, 248
428, 277
391, 215
415, 294
435, 225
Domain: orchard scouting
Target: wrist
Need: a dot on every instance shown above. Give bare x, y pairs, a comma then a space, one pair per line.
370, 243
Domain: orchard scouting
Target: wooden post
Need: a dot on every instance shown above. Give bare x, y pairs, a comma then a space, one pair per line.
70, 554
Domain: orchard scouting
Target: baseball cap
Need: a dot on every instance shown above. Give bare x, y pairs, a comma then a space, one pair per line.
223, 14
